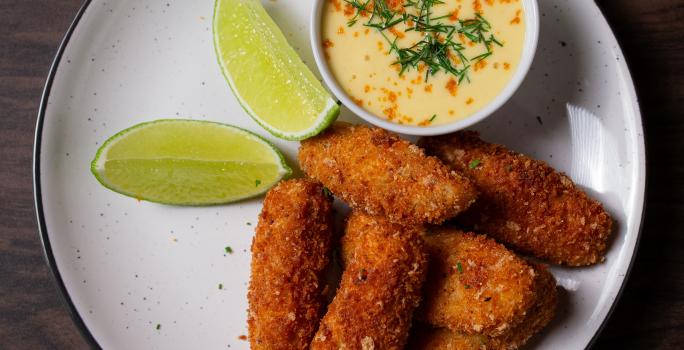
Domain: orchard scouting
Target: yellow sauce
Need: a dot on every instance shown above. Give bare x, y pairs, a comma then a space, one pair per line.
359, 58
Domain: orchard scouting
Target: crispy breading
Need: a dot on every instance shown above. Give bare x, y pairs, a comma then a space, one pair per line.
385, 266
474, 284
425, 337
542, 312
374, 170
525, 203
290, 251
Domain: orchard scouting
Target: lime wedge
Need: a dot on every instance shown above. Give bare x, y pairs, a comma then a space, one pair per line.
268, 78
188, 162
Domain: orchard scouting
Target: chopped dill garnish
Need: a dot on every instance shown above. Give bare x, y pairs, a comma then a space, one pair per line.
360, 9
438, 50
476, 30
382, 17
434, 116
474, 163
434, 54
459, 267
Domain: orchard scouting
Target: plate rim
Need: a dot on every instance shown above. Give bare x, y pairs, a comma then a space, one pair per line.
642, 181
66, 297
37, 190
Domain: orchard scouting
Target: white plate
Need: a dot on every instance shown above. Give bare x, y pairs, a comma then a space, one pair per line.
126, 266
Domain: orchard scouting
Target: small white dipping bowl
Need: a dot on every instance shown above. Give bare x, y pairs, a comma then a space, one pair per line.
531, 9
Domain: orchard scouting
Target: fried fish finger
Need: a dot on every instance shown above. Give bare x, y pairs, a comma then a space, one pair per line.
524, 203
290, 251
425, 337
385, 266
375, 171
539, 316
474, 285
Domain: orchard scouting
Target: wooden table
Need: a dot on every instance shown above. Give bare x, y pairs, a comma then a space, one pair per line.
650, 314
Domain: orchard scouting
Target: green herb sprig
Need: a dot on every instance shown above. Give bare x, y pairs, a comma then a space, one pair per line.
476, 30
437, 50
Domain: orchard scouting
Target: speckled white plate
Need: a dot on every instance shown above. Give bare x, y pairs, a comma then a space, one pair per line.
138, 275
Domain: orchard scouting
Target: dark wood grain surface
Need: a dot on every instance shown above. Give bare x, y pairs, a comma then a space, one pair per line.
650, 314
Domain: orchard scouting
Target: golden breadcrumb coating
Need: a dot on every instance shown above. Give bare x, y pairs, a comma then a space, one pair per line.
542, 312
474, 284
290, 251
375, 171
380, 287
425, 337
525, 203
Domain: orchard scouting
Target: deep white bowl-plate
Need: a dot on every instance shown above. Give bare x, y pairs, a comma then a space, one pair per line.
139, 275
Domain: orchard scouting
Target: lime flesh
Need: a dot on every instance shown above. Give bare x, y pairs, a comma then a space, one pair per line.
188, 162
266, 75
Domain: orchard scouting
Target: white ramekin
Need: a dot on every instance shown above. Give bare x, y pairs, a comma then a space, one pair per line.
531, 9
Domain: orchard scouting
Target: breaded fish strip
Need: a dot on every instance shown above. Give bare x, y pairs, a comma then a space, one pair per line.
474, 284
290, 251
542, 312
424, 337
375, 171
524, 203
385, 266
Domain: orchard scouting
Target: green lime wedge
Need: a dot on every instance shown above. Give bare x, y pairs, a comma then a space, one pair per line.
188, 162
268, 78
